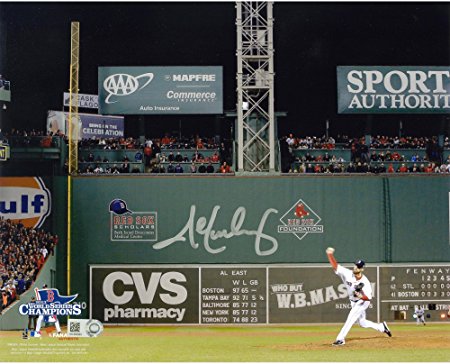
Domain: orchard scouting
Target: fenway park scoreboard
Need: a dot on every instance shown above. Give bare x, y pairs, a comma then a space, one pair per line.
253, 294
409, 286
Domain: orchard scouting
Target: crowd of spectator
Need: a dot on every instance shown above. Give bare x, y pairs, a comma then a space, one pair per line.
23, 133
194, 167
376, 168
393, 156
197, 157
378, 142
23, 252
403, 142
167, 154
109, 143
110, 169
99, 165
386, 158
193, 142
162, 155
29, 138
166, 142
313, 142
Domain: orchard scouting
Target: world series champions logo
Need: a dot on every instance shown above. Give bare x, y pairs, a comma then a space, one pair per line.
50, 303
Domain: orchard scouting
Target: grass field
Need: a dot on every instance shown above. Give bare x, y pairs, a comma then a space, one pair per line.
409, 343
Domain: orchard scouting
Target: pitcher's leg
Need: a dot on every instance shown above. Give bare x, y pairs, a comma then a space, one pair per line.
363, 322
353, 315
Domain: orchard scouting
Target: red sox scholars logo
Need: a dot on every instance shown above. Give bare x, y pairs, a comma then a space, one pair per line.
300, 220
127, 225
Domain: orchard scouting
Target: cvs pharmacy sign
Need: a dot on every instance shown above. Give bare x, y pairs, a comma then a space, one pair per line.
144, 294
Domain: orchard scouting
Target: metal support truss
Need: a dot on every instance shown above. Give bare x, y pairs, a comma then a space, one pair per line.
73, 98
255, 87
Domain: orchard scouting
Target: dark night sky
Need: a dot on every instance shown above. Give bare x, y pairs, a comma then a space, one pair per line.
310, 40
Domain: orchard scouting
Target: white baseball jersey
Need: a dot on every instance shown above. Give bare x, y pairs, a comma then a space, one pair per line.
351, 282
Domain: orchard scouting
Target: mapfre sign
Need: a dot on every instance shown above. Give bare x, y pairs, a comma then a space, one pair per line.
393, 89
160, 90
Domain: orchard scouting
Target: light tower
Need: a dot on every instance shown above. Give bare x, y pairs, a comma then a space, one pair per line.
255, 87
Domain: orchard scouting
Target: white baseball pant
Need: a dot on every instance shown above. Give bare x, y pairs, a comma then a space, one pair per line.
39, 323
358, 313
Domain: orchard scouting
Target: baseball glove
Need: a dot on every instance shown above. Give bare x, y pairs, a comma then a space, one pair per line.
359, 287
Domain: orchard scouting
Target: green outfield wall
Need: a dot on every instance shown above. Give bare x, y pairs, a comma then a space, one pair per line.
257, 220
275, 228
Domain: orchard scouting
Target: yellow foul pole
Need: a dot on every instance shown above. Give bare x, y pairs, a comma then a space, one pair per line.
73, 133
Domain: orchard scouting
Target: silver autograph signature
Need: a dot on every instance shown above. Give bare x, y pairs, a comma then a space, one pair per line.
205, 228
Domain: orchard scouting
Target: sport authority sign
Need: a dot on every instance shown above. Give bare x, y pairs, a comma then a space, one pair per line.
160, 90
389, 89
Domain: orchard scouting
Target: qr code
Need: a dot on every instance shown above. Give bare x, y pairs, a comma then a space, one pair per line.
74, 327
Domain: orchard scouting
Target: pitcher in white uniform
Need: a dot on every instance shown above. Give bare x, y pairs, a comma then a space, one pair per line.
360, 293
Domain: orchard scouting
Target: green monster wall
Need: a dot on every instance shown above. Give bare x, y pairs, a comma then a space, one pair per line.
257, 220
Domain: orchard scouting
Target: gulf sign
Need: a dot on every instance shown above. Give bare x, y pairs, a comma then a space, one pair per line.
393, 89
24, 199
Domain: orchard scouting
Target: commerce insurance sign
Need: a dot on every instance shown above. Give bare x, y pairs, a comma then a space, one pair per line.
393, 89
160, 90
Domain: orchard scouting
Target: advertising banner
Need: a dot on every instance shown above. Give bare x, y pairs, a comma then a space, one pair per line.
256, 294
84, 100
88, 125
312, 294
160, 90
393, 89
26, 200
139, 294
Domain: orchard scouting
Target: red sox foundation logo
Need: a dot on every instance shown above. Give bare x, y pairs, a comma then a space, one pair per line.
300, 220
